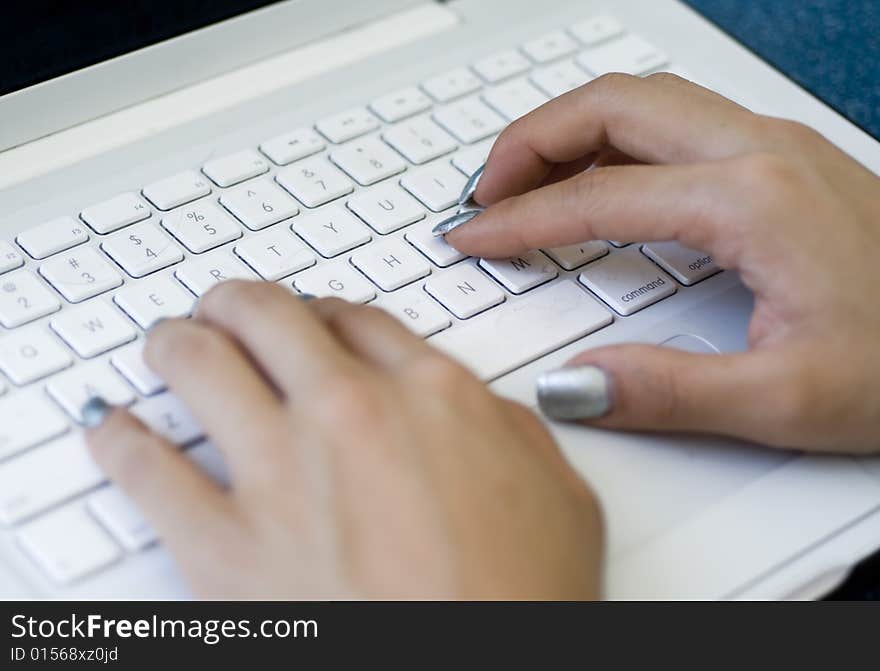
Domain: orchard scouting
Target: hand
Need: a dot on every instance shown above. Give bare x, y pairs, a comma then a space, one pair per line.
797, 217
363, 463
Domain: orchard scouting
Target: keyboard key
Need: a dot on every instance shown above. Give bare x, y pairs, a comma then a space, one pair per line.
501, 65
153, 299
437, 186
113, 214
314, 182
31, 354
200, 274
595, 30
550, 47
368, 160
469, 120
522, 273
627, 281
391, 264
168, 416
450, 85
275, 254
52, 237
118, 514
28, 418
469, 160
332, 230
177, 190
416, 310
234, 168
440, 252
574, 256
74, 387
259, 204
515, 98
630, 54
335, 279
293, 146
420, 140
386, 208
93, 328
80, 274
129, 361
68, 544
10, 258
464, 291
530, 327
401, 104
559, 78
24, 298
687, 265
142, 249
347, 125
202, 226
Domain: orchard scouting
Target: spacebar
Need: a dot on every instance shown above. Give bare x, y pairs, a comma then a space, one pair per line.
523, 329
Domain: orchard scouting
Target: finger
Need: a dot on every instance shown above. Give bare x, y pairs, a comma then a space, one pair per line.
657, 119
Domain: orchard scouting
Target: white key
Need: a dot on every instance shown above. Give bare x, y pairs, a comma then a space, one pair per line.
577, 255
596, 30
386, 208
469, 160
420, 140
687, 265
440, 252
469, 120
464, 291
68, 544
200, 274
275, 254
450, 85
118, 514
391, 264
201, 226
521, 273
10, 258
559, 78
401, 104
293, 146
501, 65
80, 274
521, 331
44, 476
129, 361
113, 214
74, 387
549, 47
168, 417
515, 98
418, 311
32, 354
314, 181
93, 328
154, 298
335, 279
347, 125
235, 168
627, 281
177, 190
142, 249
618, 243
630, 54
332, 230
437, 186
24, 298
28, 418
259, 204
52, 237
368, 160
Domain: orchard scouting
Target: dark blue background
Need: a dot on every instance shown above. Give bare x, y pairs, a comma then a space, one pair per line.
831, 47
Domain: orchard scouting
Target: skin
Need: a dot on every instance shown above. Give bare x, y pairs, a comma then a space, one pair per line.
366, 464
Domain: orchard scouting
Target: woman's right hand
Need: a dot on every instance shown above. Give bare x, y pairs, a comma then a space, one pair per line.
797, 217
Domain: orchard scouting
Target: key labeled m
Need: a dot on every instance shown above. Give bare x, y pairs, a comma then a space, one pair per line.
93, 325
520, 263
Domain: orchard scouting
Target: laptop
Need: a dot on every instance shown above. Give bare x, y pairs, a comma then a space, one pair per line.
121, 151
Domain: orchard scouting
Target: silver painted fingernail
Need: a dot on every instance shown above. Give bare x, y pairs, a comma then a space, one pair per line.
467, 193
94, 412
454, 222
308, 297
575, 392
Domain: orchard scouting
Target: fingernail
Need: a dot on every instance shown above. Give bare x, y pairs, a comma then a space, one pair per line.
308, 297
454, 222
94, 412
574, 392
467, 193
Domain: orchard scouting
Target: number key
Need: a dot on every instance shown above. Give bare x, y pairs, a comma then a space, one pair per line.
201, 226
259, 204
142, 250
24, 298
314, 182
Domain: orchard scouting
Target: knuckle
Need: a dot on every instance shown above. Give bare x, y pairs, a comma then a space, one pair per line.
356, 402
794, 131
613, 82
184, 342
441, 373
237, 294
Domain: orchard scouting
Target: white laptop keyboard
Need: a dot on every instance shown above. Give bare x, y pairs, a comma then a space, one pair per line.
343, 208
